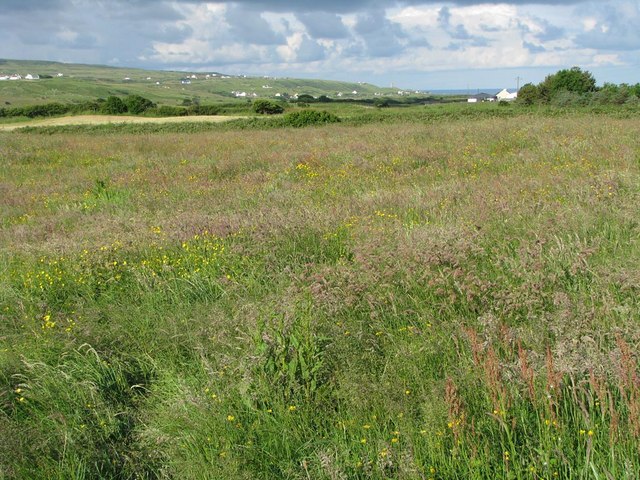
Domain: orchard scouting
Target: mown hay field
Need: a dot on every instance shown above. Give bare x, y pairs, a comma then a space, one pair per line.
451, 300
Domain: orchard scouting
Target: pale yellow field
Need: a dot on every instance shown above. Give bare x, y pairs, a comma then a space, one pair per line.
104, 119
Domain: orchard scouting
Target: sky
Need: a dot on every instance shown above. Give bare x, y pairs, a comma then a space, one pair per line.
413, 44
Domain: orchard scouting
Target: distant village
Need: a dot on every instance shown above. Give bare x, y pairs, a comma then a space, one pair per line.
28, 76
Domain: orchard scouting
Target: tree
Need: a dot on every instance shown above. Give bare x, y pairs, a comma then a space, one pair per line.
113, 106
267, 107
528, 94
137, 104
306, 98
381, 102
574, 80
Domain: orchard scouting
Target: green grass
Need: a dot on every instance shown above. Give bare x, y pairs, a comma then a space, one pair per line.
88, 82
423, 293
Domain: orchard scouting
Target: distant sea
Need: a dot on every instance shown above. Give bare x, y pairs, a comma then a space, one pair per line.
469, 91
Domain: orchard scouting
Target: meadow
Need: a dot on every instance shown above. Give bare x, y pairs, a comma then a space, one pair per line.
430, 297
81, 83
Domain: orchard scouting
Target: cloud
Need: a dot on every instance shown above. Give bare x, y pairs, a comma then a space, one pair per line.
369, 38
323, 25
381, 36
532, 48
615, 27
248, 26
310, 50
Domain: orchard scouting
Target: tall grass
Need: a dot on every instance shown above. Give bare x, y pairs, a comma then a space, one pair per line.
406, 300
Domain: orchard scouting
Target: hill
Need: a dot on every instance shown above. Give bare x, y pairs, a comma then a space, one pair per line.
66, 83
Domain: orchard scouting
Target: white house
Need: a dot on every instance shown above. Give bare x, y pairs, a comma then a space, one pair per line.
4, 77
32, 77
60, 75
506, 96
15, 76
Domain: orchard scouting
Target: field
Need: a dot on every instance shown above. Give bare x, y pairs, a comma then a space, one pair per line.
112, 119
87, 82
426, 298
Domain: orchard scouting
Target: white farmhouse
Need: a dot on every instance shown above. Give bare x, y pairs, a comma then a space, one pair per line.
15, 76
32, 77
506, 96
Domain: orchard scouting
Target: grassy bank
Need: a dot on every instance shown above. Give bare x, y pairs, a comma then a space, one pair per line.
395, 299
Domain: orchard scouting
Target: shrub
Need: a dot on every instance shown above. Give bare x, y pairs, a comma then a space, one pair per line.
381, 102
267, 107
171, 111
565, 98
33, 111
137, 104
113, 106
204, 110
528, 94
305, 98
305, 118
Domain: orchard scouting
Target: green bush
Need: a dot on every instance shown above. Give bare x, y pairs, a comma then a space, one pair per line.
305, 98
204, 110
33, 111
528, 94
305, 118
171, 111
113, 106
137, 104
267, 107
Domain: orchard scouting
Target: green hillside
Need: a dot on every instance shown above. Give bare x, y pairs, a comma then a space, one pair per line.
87, 82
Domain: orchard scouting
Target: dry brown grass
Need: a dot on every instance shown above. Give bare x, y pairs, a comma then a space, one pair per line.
113, 119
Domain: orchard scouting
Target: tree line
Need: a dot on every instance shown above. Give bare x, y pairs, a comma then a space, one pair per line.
575, 86
112, 105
